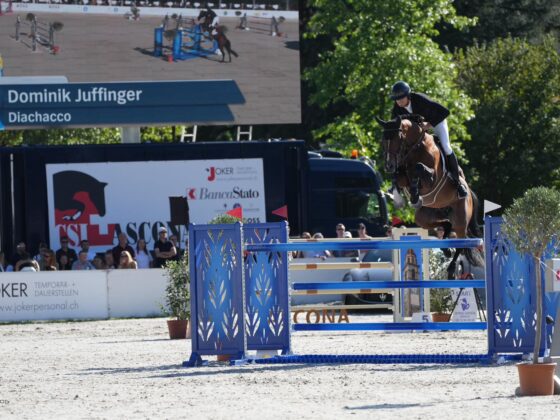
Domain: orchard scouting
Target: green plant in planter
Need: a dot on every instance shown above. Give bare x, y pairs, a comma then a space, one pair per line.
531, 224
177, 292
441, 300
224, 219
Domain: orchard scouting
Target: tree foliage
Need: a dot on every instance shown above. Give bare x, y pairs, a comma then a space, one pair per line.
532, 222
515, 134
531, 19
376, 43
58, 136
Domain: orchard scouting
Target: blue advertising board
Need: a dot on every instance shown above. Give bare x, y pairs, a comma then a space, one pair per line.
117, 104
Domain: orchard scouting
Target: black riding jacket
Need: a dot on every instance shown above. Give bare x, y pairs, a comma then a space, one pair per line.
433, 112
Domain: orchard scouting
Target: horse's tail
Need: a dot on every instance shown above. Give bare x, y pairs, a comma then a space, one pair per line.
234, 53
474, 255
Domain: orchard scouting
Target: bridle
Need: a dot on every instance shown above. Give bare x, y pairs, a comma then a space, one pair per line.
404, 151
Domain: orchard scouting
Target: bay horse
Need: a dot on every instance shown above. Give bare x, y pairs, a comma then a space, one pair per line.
413, 157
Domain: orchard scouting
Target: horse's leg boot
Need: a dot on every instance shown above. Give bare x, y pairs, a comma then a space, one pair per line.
454, 172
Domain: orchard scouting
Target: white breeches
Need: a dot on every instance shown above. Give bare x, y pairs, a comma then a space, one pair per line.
442, 132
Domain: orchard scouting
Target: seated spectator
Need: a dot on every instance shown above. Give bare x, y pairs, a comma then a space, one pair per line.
126, 261
98, 261
143, 257
4, 266
84, 244
362, 234
122, 246
340, 231
26, 263
305, 254
20, 253
65, 250
318, 253
63, 263
41, 255
82, 263
109, 260
48, 262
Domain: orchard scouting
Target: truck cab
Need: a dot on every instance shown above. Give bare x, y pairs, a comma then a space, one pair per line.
344, 191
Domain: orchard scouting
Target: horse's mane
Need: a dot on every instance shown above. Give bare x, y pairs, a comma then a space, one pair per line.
415, 118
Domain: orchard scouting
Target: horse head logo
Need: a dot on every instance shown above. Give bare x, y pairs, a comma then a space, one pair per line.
77, 196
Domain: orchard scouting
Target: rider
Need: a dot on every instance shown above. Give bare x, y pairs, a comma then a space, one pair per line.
211, 19
435, 114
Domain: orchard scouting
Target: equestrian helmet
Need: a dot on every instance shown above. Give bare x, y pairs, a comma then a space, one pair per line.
400, 90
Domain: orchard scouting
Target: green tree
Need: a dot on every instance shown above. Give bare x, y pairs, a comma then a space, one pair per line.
531, 19
58, 136
376, 43
515, 134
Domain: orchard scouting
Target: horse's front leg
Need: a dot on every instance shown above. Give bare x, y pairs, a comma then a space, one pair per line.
415, 192
425, 174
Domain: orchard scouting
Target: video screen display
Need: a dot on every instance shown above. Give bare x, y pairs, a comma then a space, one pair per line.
256, 44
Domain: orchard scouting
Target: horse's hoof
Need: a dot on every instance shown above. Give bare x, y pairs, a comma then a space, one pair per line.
447, 252
417, 204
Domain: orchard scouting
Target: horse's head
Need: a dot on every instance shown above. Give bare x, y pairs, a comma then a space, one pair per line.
391, 143
398, 135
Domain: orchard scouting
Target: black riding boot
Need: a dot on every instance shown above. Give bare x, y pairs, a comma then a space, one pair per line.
453, 167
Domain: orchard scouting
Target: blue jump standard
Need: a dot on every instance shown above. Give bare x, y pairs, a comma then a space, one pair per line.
379, 359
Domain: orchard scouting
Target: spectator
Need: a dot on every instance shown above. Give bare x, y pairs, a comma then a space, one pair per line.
362, 232
143, 257
63, 264
163, 248
109, 260
122, 246
175, 243
20, 253
318, 253
82, 263
70, 254
98, 261
41, 255
340, 230
4, 266
48, 263
26, 263
126, 261
439, 231
84, 244
305, 253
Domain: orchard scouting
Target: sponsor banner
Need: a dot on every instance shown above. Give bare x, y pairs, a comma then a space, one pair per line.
97, 201
27, 296
139, 295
